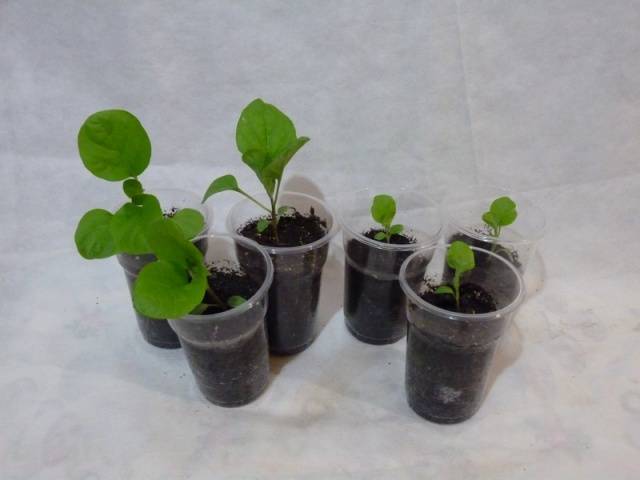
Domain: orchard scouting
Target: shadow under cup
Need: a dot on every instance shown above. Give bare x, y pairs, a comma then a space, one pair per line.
448, 353
228, 351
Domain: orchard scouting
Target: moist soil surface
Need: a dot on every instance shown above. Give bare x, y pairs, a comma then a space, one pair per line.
293, 230
374, 301
473, 299
226, 283
293, 297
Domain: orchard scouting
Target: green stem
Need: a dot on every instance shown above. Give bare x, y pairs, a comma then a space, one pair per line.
253, 200
214, 296
456, 288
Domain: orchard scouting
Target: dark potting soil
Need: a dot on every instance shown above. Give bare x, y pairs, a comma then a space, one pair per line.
293, 230
448, 361
374, 303
473, 299
225, 283
294, 293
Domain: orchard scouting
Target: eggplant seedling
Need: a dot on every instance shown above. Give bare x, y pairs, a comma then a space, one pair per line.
502, 212
383, 210
267, 140
114, 146
461, 259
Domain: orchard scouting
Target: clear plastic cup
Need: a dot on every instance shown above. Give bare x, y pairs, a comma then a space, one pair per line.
228, 351
293, 298
374, 303
448, 353
158, 332
517, 243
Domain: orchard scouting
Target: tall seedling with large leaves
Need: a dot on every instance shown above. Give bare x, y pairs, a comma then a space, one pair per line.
114, 146
267, 140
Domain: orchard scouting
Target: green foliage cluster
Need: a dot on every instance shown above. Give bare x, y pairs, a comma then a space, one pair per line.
383, 211
502, 212
114, 146
267, 140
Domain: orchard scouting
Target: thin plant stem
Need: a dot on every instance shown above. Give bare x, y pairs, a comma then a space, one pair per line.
254, 200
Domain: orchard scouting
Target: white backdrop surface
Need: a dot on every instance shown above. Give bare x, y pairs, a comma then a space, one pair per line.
539, 96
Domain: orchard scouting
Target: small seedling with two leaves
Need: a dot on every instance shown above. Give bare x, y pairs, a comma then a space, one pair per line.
383, 210
461, 259
114, 146
267, 140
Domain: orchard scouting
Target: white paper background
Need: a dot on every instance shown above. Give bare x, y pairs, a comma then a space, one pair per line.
540, 96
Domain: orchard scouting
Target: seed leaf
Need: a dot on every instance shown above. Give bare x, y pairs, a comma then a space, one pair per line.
380, 236
445, 289
235, 301
93, 235
460, 257
114, 145
383, 209
130, 224
396, 229
132, 188
190, 221
221, 184
262, 225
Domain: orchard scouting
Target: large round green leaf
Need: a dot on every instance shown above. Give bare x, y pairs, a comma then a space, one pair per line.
114, 145
93, 235
383, 209
190, 221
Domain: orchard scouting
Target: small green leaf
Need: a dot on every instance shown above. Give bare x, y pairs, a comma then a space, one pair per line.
235, 301
221, 184
114, 145
130, 224
445, 289
284, 210
503, 210
93, 235
490, 220
262, 225
460, 257
383, 209
396, 229
380, 236
132, 188
190, 221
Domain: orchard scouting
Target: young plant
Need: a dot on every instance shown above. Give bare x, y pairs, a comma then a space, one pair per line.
461, 259
176, 283
267, 140
383, 210
502, 212
114, 146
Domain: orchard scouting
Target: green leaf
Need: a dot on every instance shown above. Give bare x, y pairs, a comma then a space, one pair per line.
262, 225
380, 236
175, 284
460, 257
490, 220
503, 210
93, 235
285, 209
383, 209
265, 129
275, 168
235, 301
167, 290
445, 289
190, 221
221, 184
132, 188
130, 224
114, 145
396, 229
